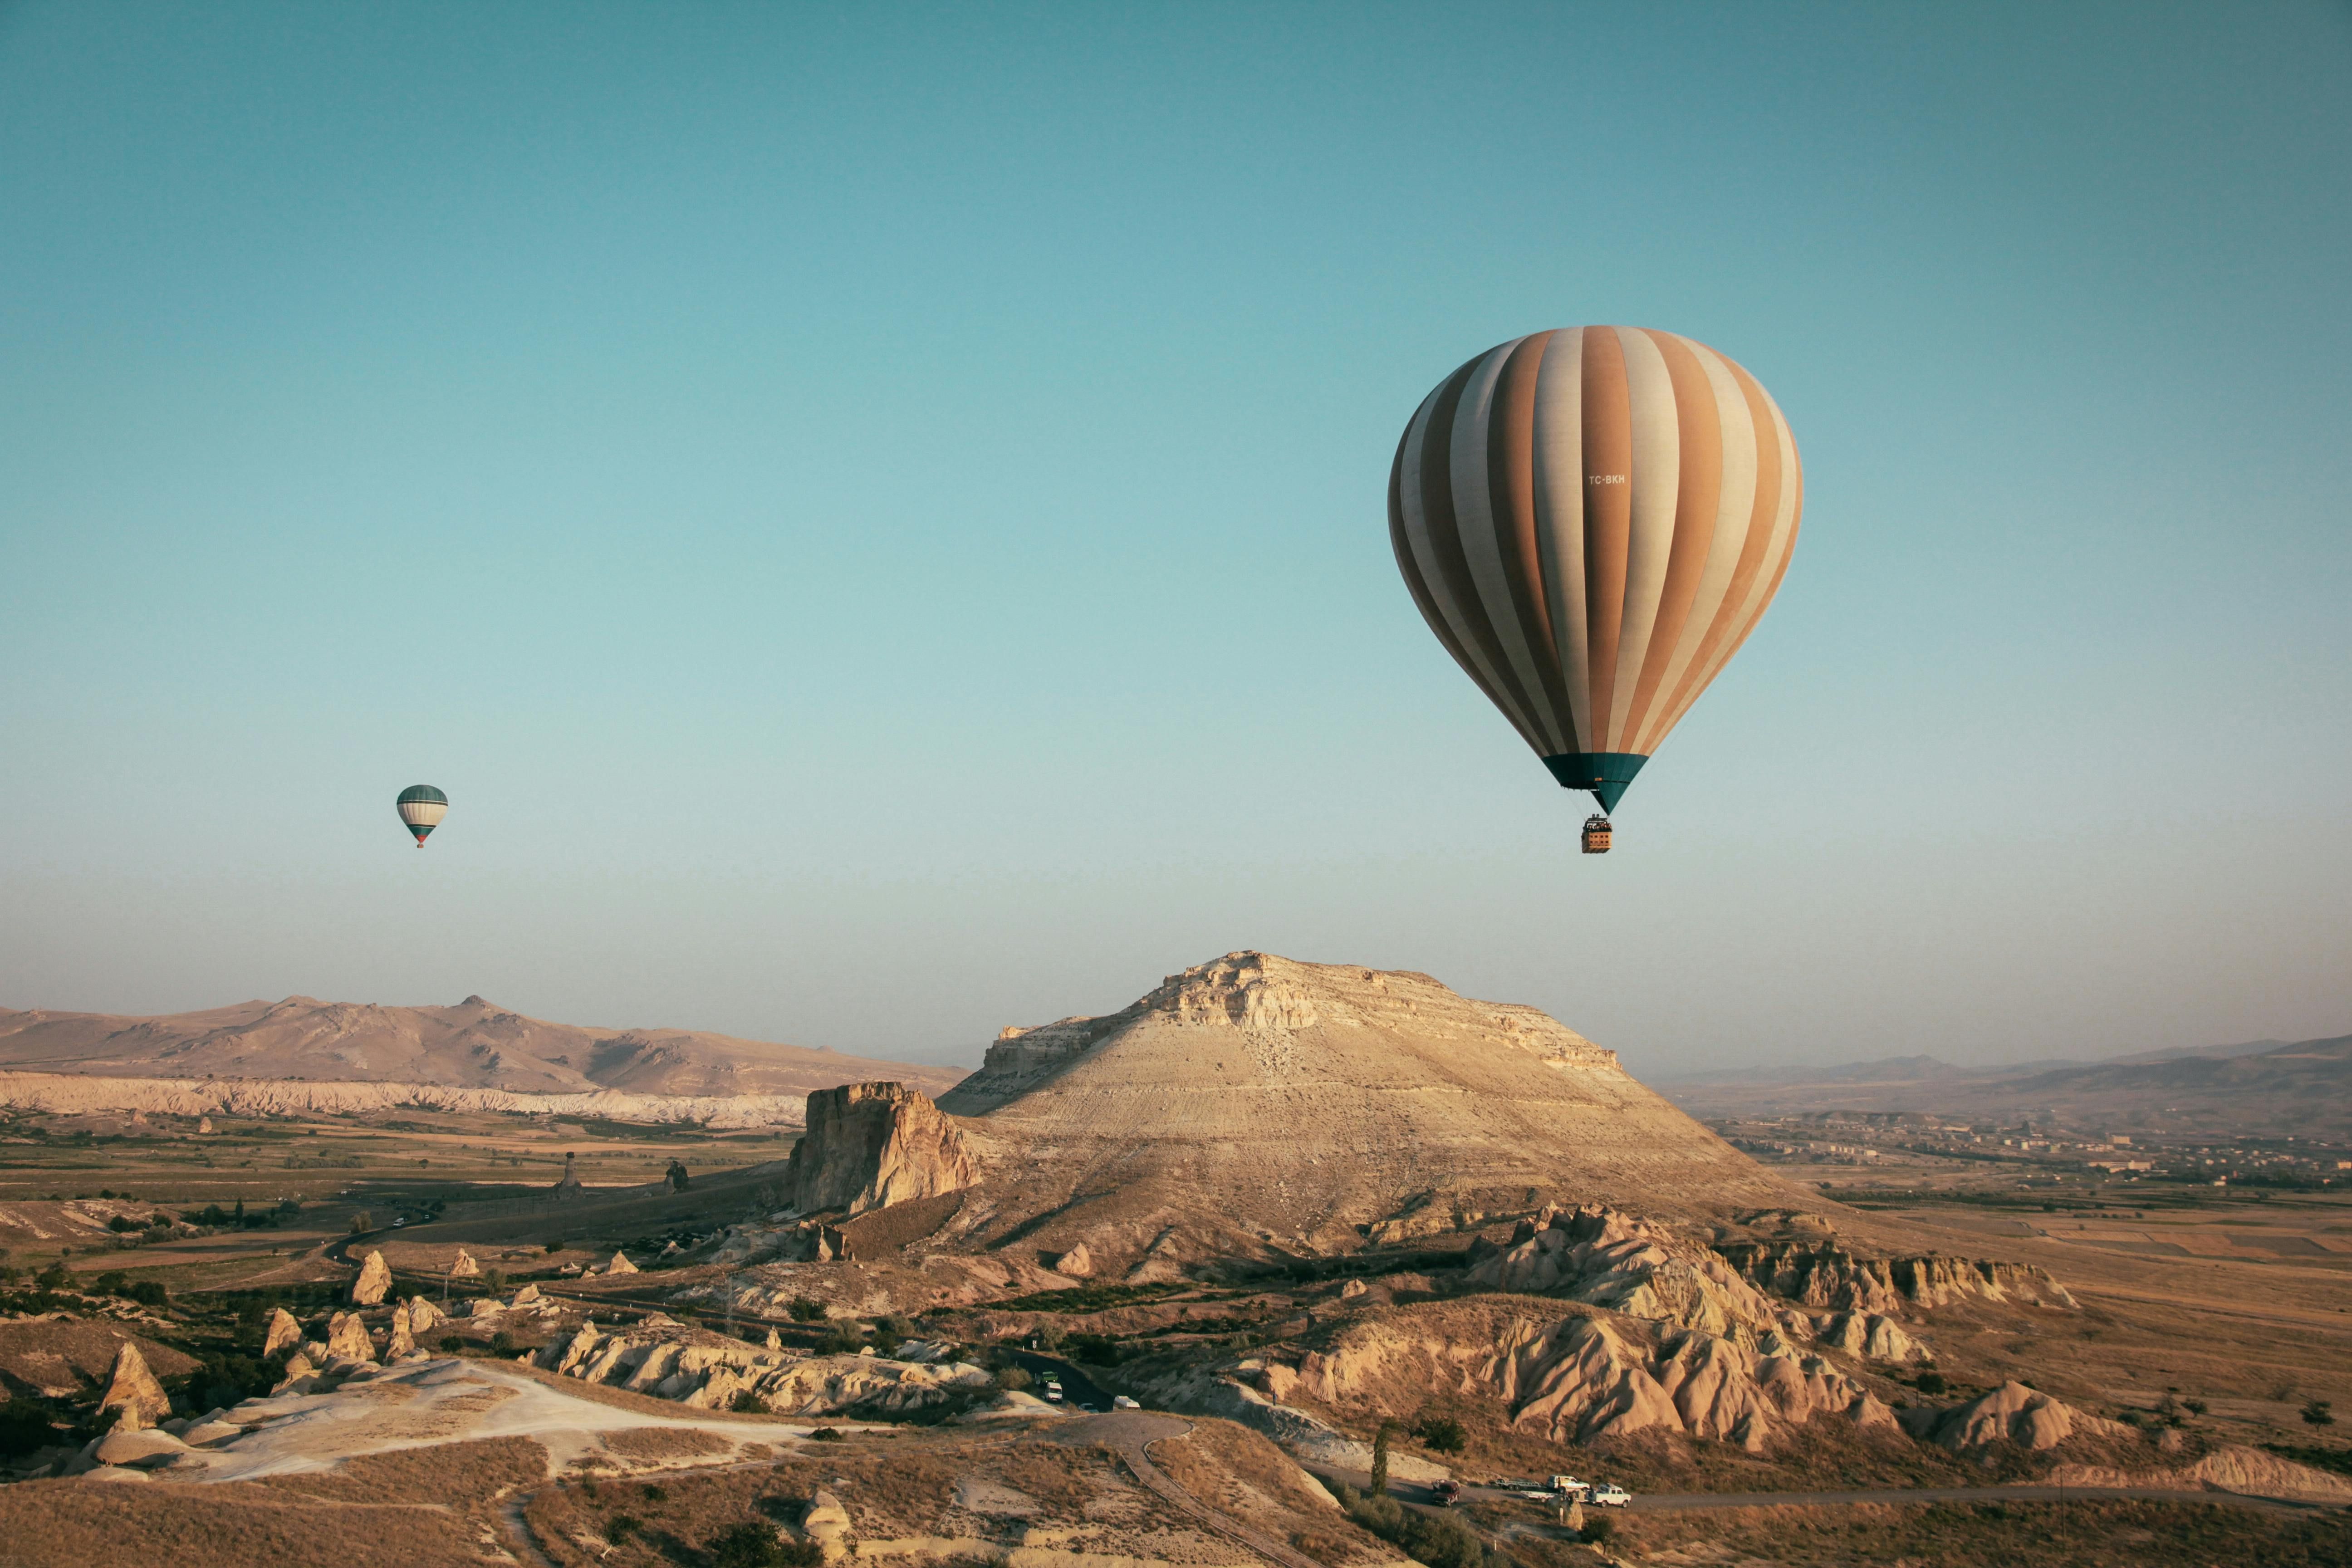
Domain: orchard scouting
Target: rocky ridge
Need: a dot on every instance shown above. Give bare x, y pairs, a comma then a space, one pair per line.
1823, 1274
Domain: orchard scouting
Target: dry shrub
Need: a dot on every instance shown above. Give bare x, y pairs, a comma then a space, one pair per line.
454, 1473
71, 1524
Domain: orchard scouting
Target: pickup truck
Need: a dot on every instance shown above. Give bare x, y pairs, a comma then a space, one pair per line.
1609, 1495
1569, 1486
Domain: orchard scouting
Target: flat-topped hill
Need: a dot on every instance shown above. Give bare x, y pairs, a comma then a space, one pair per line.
1255, 1101
475, 1044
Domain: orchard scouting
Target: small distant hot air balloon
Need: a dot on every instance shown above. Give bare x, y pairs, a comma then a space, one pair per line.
422, 807
1592, 521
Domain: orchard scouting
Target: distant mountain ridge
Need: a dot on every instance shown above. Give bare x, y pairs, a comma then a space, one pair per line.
2302, 1087
475, 1045
1918, 1068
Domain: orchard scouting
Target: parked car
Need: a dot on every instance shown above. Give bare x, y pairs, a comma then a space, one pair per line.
1609, 1495
1569, 1486
1053, 1391
1122, 1402
1446, 1493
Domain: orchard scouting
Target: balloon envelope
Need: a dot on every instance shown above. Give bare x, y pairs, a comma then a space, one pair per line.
1592, 521
422, 807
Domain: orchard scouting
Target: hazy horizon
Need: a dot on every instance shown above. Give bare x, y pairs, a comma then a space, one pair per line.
875, 519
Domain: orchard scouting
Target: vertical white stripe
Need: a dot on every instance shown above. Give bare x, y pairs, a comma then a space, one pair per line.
1474, 509
1655, 481
1781, 540
1559, 518
1416, 532
1731, 518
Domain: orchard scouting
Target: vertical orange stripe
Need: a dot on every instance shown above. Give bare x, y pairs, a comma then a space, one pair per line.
1608, 513
1760, 518
1697, 498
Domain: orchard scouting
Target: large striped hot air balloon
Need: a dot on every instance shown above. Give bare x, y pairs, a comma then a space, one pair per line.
422, 807
1592, 521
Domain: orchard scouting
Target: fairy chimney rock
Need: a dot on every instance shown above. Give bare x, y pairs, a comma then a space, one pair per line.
869, 1145
620, 1265
401, 1342
347, 1336
284, 1334
465, 1268
134, 1390
375, 1282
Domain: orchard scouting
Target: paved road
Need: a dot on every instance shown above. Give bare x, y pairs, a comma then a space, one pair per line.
1077, 1388
1131, 1434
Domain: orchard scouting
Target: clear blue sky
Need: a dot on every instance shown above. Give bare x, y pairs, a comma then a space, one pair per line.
875, 515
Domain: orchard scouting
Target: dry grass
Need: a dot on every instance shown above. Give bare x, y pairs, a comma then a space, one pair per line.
643, 1443
458, 1475
69, 1524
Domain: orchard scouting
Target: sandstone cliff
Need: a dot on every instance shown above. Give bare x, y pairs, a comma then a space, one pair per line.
869, 1145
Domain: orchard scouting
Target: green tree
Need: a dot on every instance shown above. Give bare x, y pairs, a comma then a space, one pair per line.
1388, 1428
1441, 1434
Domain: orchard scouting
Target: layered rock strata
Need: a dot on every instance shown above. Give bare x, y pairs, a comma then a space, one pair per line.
869, 1145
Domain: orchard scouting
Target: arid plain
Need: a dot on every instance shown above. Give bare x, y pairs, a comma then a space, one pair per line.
680, 1299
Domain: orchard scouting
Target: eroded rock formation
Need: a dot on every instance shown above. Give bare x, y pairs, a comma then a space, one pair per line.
670, 1361
284, 1333
869, 1145
374, 1282
1823, 1274
132, 1390
1613, 1259
2013, 1412
1584, 1377
347, 1336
